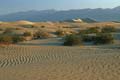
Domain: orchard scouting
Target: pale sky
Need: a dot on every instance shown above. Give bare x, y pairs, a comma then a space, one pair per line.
10, 6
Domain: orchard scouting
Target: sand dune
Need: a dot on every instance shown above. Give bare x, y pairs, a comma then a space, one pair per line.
59, 63
47, 59
24, 22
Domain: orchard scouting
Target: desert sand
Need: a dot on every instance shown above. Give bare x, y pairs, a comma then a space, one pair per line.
47, 59
59, 63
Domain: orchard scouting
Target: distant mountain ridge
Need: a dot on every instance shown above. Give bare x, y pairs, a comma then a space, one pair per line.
98, 14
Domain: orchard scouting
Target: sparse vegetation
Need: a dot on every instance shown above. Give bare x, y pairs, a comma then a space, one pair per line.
1, 29
44, 58
18, 28
103, 38
86, 34
42, 26
26, 34
108, 29
99, 38
8, 31
60, 33
72, 40
17, 39
97, 35
5, 39
93, 30
41, 34
28, 26
87, 38
90, 30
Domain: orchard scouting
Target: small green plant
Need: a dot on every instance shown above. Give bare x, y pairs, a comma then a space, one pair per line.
72, 40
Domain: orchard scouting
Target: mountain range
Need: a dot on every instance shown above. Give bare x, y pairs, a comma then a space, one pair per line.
98, 14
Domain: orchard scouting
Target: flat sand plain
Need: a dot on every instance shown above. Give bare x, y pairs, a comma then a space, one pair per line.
19, 62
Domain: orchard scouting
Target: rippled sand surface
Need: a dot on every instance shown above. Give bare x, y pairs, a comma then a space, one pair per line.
59, 63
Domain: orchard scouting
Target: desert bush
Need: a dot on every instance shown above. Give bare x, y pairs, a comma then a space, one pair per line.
60, 33
103, 38
81, 32
17, 39
1, 29
87, 38
108, 29
42, 26
6, 39
10, 39
99, 38
8, 31
90, 30
41, 34
28, 26
18, 28
71, 40
26, 34
93, 30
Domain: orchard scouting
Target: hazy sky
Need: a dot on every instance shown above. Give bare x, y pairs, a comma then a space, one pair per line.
9, 6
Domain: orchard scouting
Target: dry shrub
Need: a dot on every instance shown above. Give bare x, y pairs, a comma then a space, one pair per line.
28, 26
17, 39
90, 30
26, 34
108, 29
8, 31
6, 39
60, 33
100, 38
41, 34
1, 29
72, 40
18, 28
103, 38
43, 26
87, 38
